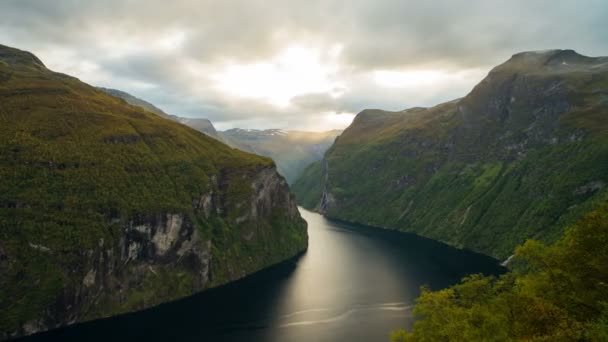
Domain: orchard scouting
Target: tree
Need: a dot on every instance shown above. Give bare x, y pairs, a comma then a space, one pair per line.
552, 293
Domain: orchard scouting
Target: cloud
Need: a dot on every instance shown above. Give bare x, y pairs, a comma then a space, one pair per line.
226, 60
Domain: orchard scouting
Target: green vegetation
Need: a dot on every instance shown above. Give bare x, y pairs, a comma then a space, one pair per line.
135, 101
522, 156
199, 124
554, 293
309, 185
81, 170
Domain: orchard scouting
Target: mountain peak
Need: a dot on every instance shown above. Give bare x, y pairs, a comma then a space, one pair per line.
15, 57
555, 60
545, 53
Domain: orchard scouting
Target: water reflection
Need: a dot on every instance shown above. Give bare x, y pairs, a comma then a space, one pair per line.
354, 283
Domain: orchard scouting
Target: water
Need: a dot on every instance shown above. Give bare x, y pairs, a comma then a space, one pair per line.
354, 283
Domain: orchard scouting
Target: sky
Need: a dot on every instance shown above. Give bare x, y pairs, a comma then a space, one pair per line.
307, 64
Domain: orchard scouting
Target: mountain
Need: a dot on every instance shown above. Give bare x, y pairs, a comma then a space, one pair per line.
199, 124
107, 208
521, 156
291, 150
136, 101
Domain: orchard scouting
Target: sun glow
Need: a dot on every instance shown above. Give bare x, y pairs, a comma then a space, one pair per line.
172, 40
338, 120
295, 71
404, 79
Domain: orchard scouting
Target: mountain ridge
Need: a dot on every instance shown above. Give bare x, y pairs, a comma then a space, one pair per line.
292, 150
200, 124
107, 208
473, 172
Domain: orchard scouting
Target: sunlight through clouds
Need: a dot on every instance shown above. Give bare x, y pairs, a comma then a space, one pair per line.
337, 120
172, 40
241, 64
296, 70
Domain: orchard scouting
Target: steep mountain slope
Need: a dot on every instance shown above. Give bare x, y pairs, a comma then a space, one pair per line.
522, 155
199, 124
107, 208
136, 101
291, 150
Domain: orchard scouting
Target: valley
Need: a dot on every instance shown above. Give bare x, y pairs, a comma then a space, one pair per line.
403, 171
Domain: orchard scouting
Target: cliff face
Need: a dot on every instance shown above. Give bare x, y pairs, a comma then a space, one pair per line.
164, 256
106, 208
521, 156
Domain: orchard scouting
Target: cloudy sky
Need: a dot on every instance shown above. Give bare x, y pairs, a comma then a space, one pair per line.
303, 64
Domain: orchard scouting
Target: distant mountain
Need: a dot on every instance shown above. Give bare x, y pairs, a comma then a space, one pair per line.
523, 155
291, 150
132, 100
107, 208
201, 125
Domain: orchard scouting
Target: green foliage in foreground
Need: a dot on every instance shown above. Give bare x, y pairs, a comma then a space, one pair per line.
554, 293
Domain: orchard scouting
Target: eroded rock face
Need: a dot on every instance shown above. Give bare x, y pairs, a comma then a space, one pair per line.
154, 248
112, 271
270, 190
327, 198
267, 204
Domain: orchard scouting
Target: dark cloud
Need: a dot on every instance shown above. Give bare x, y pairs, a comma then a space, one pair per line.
129, 45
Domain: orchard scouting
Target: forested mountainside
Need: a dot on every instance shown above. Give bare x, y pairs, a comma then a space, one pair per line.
524, 154
107, 208
199, 124
292, 151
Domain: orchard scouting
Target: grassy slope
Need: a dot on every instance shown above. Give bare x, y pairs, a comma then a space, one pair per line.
76, 163
135, 101
485, 172
199, 124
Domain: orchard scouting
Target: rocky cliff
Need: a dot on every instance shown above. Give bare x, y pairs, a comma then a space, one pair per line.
106, 208
521, 156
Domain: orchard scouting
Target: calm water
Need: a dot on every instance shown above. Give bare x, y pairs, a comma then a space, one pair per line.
354, 283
